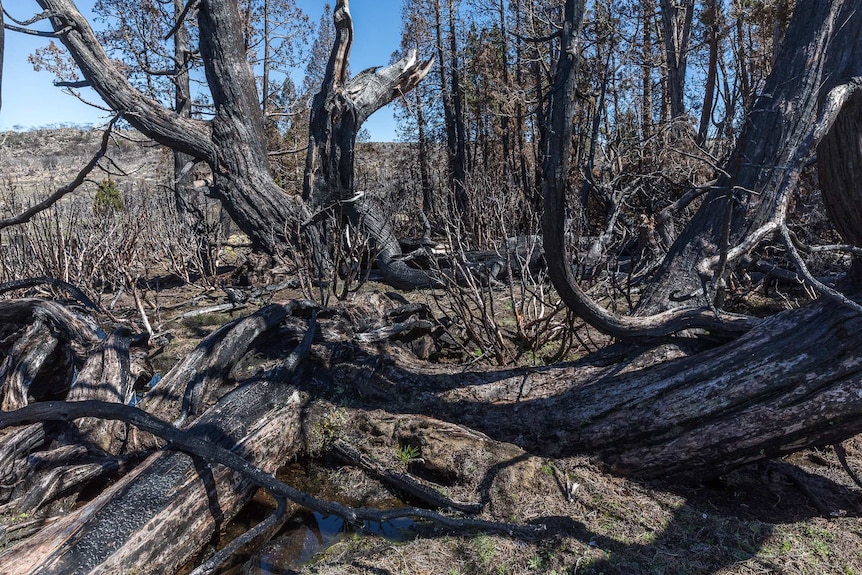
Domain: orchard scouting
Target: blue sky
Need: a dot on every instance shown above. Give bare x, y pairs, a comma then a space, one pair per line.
31, 100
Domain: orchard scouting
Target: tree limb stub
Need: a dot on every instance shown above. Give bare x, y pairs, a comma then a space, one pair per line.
337, 114
372, 89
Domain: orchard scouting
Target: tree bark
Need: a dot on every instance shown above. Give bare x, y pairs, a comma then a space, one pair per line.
106, 376
135, 523
192, 384
43, 343
676, 18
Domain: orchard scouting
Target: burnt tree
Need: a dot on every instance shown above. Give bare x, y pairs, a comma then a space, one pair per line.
791, 381
337, 114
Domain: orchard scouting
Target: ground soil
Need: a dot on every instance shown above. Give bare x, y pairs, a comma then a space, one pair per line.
796, 515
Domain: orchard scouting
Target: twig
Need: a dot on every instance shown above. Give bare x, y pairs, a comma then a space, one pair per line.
270, 523
401, 481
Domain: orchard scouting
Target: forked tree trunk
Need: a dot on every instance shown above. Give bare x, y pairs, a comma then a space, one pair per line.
337, 114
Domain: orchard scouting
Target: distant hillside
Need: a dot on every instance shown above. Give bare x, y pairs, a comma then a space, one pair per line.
50, 157
42, 160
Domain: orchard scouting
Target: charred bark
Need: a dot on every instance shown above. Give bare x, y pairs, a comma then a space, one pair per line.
135, 521
192, 385
556, 143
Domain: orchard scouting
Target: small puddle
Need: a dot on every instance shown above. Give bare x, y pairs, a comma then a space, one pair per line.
307, 533
301, 540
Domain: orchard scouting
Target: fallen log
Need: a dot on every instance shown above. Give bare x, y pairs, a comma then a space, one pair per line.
192, 383
43, 343
164, 512
769, 393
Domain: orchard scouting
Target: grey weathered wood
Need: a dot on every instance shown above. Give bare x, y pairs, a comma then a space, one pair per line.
337, 114
161, 514
42, 341
821, 49
106, 377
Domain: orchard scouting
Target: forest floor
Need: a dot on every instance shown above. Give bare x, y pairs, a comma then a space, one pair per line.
800, 514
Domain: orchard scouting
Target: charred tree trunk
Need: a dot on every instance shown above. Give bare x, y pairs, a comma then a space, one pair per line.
337, 114
190, 202
712, 20
454, 149
676, 19
164, 512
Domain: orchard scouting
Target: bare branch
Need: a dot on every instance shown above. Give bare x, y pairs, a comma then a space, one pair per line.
38, 17
40, 33
147, 115
556, 145
809, 279
181, 18
78, 84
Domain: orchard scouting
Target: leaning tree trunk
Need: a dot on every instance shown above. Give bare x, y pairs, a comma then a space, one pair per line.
232, 143
822, 46
556, 141
793, 381
338, 112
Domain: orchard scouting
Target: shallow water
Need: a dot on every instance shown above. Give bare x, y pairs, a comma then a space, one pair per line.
314, 533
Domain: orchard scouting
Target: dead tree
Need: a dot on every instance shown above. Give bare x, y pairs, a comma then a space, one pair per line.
821, 50
337, 114
791, 381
